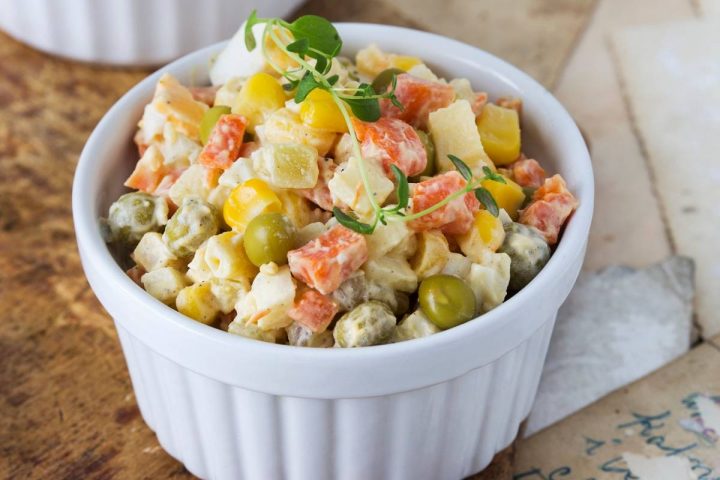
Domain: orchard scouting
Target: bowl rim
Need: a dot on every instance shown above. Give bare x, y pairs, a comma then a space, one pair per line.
562, 263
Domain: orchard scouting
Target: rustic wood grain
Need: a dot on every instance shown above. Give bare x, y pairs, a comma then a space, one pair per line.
66, 405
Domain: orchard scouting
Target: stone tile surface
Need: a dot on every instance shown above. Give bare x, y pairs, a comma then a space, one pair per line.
628, 227
679, 119
616, 326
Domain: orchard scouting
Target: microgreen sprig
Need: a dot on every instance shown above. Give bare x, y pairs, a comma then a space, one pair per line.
315, 39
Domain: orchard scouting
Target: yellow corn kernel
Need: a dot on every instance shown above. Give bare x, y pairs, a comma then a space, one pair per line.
404, 62
261, 95
295, 207
487, 232
500, 133
248, 200
509, 195
319, 111
198, 302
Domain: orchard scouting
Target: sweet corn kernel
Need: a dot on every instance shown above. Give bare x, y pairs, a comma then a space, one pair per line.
508, 196
248, 200
319, 111
487, 233
198, 302
404, 62
500, 133
261, 95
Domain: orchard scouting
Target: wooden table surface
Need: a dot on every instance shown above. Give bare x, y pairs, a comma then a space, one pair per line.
66, 403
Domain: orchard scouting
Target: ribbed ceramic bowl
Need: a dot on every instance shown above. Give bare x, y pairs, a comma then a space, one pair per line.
435, 408
129, 32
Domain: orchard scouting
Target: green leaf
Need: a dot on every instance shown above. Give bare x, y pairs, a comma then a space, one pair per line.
352, 223
249, 37
290, 86
366, 109
461, 167
490, 175
321, 63
320, 33
385, 79
487, 200
332, 80
306, 85
299, 46
403, 189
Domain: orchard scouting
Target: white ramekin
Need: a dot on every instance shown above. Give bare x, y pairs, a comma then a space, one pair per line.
435, 408
129, 32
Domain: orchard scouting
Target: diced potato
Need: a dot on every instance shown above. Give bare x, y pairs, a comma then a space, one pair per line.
319, 111
227, 293
304, 337
422, 71
178, 151
250, 330
415, 325
261, 95
240, 171
457, 264
392, 272
309, 232
431, 255
225, 257
347, 187
172, 103
152, 253
164, 284
287, 165
247, 201
225, 96
198, 269
453, 131
386, 237
406, 248
509, 195
285, 126
500, 133
371, 61
489, 280
272, 292
198, 302
197, 180
487, 233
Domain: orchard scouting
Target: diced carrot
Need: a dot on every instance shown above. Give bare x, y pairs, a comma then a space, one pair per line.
392, 142
223, 145
528, 173
418, 97
477, 105
148, 172
313, 310
320, 194
510, 102
330, 259
552, 205
456, 217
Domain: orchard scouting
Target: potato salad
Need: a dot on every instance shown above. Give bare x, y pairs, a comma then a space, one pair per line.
310, 199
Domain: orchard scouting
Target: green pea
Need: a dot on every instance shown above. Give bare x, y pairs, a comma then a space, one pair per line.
370, 323
528, 251
384, 79
209, 120
134, 214
446, 300
268, 238
430, 152
194, 222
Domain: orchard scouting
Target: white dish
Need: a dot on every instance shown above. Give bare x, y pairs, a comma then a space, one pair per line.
435, 408
129, 32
